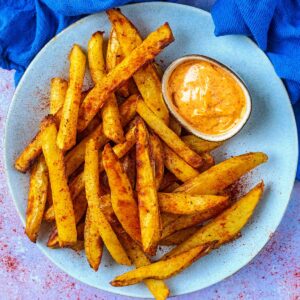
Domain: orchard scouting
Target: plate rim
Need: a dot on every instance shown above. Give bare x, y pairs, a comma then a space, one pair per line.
7, 166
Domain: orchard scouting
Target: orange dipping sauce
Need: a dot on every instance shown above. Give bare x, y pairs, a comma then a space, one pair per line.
207, 96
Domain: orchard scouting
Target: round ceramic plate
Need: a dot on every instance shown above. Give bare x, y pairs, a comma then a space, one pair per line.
271, 129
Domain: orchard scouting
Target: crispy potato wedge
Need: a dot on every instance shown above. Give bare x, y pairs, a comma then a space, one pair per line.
122, 197
220, 176
146, 79
176, 165
146, 191
92, 188
186, 221
157, 155
144, 53
168, 136
199, 145
178, 237
75, 157
58, 89
93, 244
226, 226
185, 204
66, 137
37, 198
164, 269
175, 126
62, 202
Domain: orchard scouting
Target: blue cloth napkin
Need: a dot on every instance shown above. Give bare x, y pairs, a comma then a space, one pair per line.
275, 26
27, 25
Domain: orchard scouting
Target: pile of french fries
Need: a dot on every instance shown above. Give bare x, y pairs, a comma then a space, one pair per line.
111, 167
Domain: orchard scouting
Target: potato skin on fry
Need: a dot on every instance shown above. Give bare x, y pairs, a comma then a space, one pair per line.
164, 269
62, 202
146, 191
58, 89
122, 197
227, 225
37, 197
199, 145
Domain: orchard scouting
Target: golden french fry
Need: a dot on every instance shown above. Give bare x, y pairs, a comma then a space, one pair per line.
178, 237
93, 244
176, 165
199, 145
66, 137
185, 204
157, 155
146, 79
144, 53
220, 176
168, 136
146, 191
122, 197
175, 126
226, 226
58, 89
165, 268
75, 157
62, 202
37, 198
92, 187
128, 164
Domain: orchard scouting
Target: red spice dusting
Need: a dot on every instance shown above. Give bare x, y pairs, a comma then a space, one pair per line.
43, 97
10, 263
237, 189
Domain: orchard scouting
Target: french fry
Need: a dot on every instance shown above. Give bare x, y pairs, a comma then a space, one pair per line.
220, 176
58, 89
185, 204
163, 269
128, 164
178, 237
175, 126
92, 188
62, 202
93, 244
146, 79
208, 161
37, 198
176, 165
157, 155
226, 226
186, 221
75, 157
144, 53
146, 191
199, 145
90, 128
122, 197
168, 136
66, 137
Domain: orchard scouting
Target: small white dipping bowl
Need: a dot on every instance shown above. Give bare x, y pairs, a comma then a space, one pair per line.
169, 102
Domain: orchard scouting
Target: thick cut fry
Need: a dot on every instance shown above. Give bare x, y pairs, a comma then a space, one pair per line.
122, 198
128, 164
144, 53
75, 157
95, 57
185, 204
66, 137
220, 176
176, 165
146, 79
175, 126
62, 202
146, 191
157, 155
186, 221
37, 198
92, 187
168, 136
93, 244
164, 269
199, 145
58, 91
226, 226
178, 237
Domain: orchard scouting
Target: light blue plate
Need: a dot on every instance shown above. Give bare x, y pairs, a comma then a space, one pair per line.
271, 129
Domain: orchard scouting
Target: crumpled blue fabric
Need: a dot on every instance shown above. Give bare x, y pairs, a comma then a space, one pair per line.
275, 26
